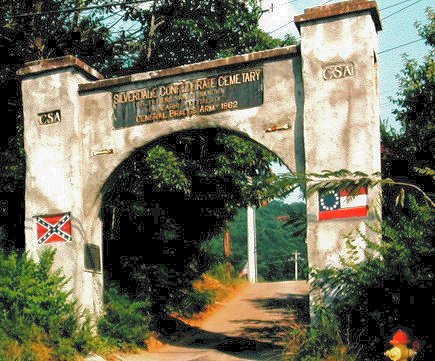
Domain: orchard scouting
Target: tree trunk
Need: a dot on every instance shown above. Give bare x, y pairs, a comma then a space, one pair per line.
227, 249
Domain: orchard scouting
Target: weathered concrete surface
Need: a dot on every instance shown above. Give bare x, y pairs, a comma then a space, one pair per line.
55, 173
283, 101
341, 127
323, 95
252, 326
337, 9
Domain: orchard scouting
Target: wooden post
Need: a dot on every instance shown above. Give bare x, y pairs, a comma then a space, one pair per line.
227, 249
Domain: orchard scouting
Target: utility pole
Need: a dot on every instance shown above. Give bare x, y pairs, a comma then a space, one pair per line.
252, 244
296, 254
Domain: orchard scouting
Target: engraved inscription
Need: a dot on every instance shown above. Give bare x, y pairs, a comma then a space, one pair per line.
338, 71
224, 92
49, 117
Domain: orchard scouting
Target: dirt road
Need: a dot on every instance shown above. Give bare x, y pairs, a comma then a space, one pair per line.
250, 326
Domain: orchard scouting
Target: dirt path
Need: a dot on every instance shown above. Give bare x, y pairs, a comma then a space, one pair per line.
250, 326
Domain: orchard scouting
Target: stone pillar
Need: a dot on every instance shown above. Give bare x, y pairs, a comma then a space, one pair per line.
341, 111
57, 215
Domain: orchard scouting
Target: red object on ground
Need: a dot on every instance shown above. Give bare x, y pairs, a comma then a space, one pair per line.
400, 338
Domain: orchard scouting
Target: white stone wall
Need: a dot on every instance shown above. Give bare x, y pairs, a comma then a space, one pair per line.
341, 118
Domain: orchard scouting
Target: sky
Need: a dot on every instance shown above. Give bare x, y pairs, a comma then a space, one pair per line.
398, 18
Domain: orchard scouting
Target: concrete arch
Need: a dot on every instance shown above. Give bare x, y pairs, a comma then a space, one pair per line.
315, 105
282, 106
282, 154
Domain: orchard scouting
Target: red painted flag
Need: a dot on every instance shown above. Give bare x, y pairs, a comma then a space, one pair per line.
53, 228
338, 204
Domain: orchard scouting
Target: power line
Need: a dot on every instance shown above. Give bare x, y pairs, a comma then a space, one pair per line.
400, 46
111, 15
400, 10
282, 26
385, 8
84, 8
400, 3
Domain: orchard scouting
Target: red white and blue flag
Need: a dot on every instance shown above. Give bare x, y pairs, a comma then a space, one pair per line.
53, 228
339, 204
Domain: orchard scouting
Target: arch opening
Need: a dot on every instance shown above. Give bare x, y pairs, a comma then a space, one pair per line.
165, 206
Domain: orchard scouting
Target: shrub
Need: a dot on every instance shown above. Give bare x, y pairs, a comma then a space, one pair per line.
370, 296
320, 342
125, 321
33, 295
194, 301
212, 285
220, 272
37, 316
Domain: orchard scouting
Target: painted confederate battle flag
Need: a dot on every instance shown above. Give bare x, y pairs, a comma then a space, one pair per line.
53, 228
338, 204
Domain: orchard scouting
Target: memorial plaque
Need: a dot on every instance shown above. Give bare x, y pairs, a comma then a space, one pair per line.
92, 257
228, 91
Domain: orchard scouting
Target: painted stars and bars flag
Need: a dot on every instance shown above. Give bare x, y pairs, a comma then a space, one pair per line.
53, 228
339, 204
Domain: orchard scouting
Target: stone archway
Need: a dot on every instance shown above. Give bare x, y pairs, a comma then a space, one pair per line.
149, 222
314, 105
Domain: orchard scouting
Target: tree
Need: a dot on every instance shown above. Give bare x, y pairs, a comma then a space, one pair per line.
188, 31
410, 150
275, 246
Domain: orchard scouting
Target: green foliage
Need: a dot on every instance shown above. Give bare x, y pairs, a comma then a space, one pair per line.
219, 272
163, 35
34, 309
193, 301
26, 290
403, 260
361, 295
248, 164
415, 97
51, 35
166, 170
206, 29
319, 342
155, 198
275, 244
125, 321
412, 147
35, 37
